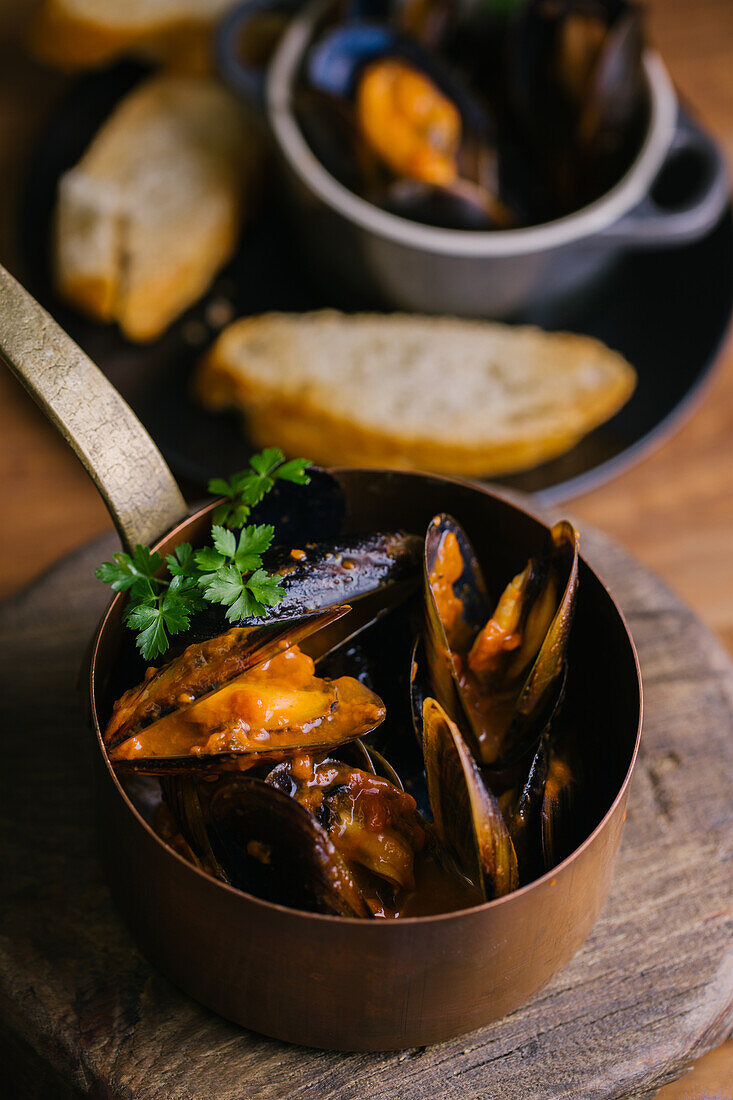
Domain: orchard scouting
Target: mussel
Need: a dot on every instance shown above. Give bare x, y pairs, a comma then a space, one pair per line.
430, 140
239, 697
502, 672
371, 821
278, 707
273, 847
319, 575
466, 813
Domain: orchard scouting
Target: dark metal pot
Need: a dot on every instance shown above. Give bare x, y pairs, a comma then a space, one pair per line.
408, 265
319, 980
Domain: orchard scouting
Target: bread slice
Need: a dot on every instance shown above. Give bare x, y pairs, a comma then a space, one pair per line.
74, 34
457, 397
154, 207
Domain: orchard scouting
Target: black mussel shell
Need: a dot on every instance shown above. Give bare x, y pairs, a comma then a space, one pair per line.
272, 847
335, 61
318, 575
203, 668
466, 814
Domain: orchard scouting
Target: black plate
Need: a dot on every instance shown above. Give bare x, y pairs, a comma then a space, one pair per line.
666, 310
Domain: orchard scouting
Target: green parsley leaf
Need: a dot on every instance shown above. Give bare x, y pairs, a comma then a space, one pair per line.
208, 559
229, 572
294, 471
253, 542
265, 587
267, 461
218, 487
245, 489
182, 563
153, 640
147, 562
225, 541
225, 586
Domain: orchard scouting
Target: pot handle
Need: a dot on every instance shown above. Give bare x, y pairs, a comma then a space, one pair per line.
139, 490
693, 152
245, 79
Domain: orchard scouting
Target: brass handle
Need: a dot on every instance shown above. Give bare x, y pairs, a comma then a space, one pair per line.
128, 469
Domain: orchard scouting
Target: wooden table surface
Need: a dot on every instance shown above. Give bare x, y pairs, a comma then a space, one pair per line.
674, 510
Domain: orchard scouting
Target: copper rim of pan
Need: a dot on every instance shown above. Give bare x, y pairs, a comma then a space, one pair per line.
306, 915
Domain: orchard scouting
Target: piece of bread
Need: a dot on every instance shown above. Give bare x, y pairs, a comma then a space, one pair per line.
154, 208
73, 34
457, 397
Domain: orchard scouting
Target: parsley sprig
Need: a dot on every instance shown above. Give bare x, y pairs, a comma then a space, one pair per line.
247, 488
229, 572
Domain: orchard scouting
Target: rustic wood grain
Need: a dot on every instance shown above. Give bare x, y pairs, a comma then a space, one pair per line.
651, 989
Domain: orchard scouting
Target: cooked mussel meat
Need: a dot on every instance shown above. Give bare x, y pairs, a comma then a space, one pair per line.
413, 116
277, 708
373, 823
501, 672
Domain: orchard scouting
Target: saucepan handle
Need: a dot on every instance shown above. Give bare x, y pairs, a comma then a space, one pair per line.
138, 488
243, 78
699, 206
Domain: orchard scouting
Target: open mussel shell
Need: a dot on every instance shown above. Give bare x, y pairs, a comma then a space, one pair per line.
504, 711
562, 818
456, 605
203, 668
466, 814
544, 686
181, 794
320, 575
272, 847
209, 736
524, 818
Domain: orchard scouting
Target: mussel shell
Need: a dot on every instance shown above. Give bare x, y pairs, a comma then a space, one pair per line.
181, 795
525, 819
352, 711
203, 668
419, 685
442, 639
324, 574
538, 693
562, 812
272, 847
466, 814
544, 686
335, 61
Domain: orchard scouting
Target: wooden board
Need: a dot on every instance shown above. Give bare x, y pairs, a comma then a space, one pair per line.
83, 1014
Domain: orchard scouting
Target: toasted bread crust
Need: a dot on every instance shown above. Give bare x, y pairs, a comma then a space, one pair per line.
155, 206
303, 423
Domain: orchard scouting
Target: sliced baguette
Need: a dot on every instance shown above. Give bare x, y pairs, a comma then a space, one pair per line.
452, 396
154, 207
73, 34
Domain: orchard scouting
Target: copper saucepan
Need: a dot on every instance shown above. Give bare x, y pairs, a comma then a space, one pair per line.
320, 980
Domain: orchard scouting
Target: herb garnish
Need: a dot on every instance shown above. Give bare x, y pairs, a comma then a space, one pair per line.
229, 572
